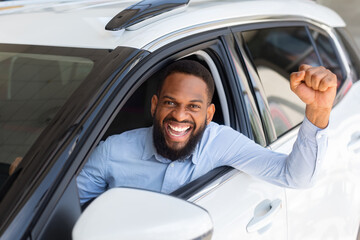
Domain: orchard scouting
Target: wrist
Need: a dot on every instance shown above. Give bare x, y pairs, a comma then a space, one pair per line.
318, 116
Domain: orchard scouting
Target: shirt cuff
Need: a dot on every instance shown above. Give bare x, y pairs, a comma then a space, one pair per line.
311, 132
316, 136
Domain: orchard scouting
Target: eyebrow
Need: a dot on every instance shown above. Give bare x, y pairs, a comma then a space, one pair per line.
193, 101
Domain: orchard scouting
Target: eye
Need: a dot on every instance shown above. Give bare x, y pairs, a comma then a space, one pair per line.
169, 103
194, 106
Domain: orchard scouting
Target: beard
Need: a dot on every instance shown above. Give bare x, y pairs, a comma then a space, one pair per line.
175, 154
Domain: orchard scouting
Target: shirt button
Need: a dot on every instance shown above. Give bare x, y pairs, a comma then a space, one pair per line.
319, 136
172, 165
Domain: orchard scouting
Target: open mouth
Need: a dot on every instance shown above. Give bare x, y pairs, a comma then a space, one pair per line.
176, 131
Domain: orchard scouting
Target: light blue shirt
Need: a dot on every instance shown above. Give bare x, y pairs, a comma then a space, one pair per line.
130, 160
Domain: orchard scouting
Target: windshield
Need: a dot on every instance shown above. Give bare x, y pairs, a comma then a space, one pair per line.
34, 83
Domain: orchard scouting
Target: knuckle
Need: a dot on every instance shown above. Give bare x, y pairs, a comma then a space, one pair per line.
334, 76
317, 76
330, 73
309, 70
304, 67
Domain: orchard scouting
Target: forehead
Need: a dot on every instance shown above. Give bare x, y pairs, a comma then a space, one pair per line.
184, 85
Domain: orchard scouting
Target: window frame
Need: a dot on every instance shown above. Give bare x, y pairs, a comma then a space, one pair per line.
254, 79
219, 58
87, 134
350, 54
24, 192
261, 97
330, 37
351, 51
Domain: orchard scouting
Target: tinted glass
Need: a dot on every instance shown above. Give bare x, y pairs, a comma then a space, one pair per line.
352, 51
328, 55
255, 121
276, 52
33, 88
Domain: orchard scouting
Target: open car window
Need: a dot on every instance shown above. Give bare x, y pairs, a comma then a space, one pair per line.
136, 112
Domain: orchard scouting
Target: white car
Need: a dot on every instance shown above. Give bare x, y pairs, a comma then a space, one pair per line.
74, 72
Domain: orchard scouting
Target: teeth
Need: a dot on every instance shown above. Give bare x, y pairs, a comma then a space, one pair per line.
175, 135
179, 129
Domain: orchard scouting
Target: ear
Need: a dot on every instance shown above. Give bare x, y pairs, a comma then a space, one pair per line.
210, 113
154, 102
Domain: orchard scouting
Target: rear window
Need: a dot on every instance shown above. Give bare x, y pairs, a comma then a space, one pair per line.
352, 50
276, 53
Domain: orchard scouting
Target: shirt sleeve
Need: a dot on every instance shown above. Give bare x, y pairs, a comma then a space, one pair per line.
91, 181
296, 170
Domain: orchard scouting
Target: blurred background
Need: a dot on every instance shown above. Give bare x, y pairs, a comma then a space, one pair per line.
349, 10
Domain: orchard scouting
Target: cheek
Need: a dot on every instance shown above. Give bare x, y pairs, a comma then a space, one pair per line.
200, 119
160, 114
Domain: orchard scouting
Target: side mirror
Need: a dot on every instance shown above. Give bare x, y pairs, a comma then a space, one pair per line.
126, 213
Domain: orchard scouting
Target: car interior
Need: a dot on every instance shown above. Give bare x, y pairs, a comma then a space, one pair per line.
34, 88
136, 112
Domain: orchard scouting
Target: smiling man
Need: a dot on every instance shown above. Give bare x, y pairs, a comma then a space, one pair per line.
183, 143
181, 111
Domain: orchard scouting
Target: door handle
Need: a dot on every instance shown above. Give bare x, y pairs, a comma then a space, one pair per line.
354, 143
264, 214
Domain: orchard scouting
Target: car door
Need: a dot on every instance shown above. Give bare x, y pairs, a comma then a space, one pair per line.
338, 181
40, 80
275, 52
244, 207
241, 206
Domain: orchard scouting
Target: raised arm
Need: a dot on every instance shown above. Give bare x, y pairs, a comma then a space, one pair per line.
316, 87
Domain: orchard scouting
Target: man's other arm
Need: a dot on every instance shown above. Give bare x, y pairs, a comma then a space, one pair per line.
91, 180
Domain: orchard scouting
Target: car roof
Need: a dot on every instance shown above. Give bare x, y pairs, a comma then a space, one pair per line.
82, 23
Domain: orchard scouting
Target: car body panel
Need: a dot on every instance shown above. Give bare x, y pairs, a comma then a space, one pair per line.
232, 205
330, 209
55, 146
45, 188
87, 21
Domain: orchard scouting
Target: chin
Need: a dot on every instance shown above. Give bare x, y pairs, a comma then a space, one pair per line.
177, 145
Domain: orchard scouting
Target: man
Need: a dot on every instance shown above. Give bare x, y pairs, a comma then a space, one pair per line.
183, 143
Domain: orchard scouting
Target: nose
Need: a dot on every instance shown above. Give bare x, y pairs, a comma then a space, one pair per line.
180, 114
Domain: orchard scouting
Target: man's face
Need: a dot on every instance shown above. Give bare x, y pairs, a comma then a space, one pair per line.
181, 112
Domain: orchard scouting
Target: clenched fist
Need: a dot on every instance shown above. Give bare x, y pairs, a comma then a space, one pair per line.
316, 87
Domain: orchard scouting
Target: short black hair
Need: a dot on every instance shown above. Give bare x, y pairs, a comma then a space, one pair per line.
191, 67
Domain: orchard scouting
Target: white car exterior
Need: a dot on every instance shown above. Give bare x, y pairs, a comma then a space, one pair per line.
240, 206
85, 21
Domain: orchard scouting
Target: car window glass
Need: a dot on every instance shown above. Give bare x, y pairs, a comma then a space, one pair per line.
352, 51
250, 104
276, 52
328, 55
33, 88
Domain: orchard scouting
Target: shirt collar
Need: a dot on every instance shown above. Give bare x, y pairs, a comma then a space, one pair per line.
150, 150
